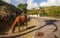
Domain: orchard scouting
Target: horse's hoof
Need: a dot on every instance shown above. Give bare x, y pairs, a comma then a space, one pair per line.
12, 32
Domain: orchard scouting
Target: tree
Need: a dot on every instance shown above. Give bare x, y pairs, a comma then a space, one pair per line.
23, 7
0, 0
9, 8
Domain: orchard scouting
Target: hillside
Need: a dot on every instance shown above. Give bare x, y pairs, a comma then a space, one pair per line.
6, 7
46, 11
51, 11
8, 13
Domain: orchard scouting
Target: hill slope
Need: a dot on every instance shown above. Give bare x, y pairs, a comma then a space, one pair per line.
8, 13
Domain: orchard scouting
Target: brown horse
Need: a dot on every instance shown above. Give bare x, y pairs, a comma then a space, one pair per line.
21, 19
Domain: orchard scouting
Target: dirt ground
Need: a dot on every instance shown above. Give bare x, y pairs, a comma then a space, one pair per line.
43, 32
32, 22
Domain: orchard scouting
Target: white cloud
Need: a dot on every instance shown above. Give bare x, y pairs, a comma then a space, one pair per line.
8, 1
50, 3
43, 4
31, 4
35, 5
21, 1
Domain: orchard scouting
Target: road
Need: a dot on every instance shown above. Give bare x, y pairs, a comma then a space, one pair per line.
49, 28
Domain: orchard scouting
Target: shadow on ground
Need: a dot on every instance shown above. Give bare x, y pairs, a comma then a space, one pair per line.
51, 22
4, 27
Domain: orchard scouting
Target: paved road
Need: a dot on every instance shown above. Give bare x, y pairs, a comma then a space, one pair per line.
49, 28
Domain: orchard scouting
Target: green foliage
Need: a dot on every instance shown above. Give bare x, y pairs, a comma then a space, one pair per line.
32, 12
0, 0
9, 8
52, 11
47, 11
23, 7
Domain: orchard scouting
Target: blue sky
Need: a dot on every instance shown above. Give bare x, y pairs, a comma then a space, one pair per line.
16, 2
35, 3
39, 1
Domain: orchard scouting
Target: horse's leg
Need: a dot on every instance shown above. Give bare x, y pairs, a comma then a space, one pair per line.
22, 23
13, 29
13, 25
18, 27
26, 24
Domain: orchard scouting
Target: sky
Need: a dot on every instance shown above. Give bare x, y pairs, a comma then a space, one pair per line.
35, 3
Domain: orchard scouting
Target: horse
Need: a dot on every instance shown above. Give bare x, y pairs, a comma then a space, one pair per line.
21, 19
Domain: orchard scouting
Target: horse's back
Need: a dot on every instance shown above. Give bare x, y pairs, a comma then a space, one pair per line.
22, 18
